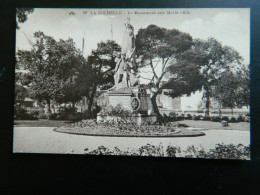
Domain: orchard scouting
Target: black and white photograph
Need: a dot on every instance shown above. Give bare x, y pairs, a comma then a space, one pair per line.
133, 82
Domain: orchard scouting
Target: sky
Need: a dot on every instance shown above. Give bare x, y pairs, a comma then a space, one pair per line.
230, 26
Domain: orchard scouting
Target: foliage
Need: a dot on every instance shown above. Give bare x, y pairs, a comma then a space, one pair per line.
232, 88
151, 150
225, 118
207, 118
215, 118
23, 114
126, 128
21, 15
216, 59
173, 117
20, 94
232, 120
102, 63
50, 68
115, 111
221, 151
195, 117
188, 116
240, 118
162, 47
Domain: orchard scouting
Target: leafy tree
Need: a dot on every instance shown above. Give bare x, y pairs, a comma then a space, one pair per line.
232, 88
21, 14
185, 75
102, 63
20, 93
167, 48
49, 66
225, 90
243, 91
217, 59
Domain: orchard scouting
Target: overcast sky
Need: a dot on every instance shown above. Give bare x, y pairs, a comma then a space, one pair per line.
230, 26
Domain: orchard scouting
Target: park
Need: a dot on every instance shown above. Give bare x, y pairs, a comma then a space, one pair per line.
116, 100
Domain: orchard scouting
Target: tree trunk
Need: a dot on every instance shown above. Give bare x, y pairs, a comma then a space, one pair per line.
207, 101
219, 110
155, 108
91, 99
231, 111
48, 113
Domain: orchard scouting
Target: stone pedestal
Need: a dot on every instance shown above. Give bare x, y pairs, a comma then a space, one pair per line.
120, 98
134, 99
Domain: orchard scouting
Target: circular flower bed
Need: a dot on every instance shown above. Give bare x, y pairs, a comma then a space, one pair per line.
111, 128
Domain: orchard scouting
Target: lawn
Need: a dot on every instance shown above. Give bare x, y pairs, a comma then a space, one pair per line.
208, 125
40, 123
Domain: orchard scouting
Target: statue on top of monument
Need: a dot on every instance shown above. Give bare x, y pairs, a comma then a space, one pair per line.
126, 70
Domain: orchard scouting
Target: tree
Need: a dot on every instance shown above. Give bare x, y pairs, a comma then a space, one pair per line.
21, 15
232, 88
159, 47
102, 63
243, 91
185, 74
217, 59
225, 90
20, 94
49, 66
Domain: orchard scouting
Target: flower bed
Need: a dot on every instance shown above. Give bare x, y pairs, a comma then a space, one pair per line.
111, 128
220, 151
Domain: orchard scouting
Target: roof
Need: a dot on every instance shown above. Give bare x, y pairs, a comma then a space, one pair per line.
28, 100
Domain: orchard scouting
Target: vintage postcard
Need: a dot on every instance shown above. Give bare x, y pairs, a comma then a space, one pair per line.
135, 82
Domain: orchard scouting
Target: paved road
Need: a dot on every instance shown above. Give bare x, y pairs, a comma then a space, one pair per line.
45, 140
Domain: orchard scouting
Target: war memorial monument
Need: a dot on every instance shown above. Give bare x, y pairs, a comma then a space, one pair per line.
127, 92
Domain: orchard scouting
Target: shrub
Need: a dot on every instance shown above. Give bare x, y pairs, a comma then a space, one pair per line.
180, 117
247, 119
232, 120
188, 116
42, 115
172, 151
53, 116
115, 111
194, 117
224, 118
221, 151
33, 113
240, 118
23, 114
215, 118
75, 117
151, 150
200, 117
206, 118
172, 116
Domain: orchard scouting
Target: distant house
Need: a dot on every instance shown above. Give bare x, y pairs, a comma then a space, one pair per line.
27, 103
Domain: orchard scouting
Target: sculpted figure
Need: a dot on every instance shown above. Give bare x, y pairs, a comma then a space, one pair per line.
125, 70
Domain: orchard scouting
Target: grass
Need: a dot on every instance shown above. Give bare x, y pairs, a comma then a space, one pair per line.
208, 125
40, 123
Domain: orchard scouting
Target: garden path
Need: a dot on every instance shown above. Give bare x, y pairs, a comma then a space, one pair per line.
45, 140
